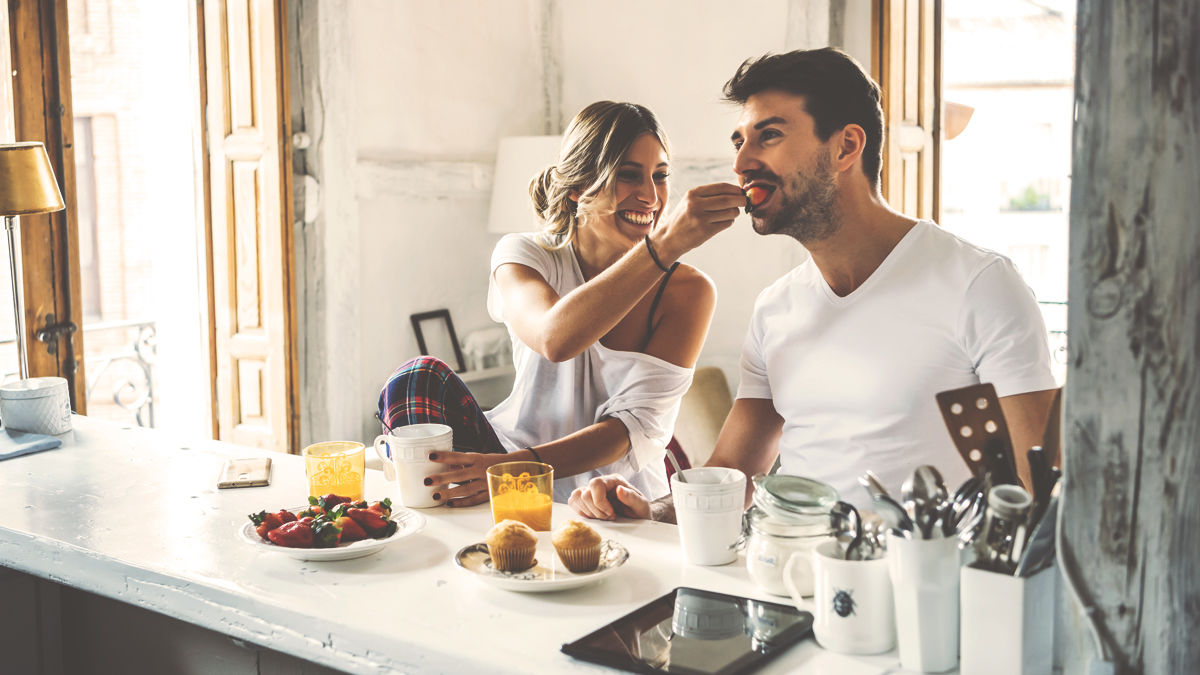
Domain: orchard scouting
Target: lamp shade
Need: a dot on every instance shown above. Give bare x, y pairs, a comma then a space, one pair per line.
518, 160
27, 182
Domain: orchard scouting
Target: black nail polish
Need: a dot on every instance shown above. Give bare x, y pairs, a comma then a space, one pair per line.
429, 481
433, 456
437, 496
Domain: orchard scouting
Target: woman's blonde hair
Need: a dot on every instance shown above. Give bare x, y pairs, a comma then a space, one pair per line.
592, 148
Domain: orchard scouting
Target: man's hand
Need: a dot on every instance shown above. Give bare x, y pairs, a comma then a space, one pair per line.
606, 497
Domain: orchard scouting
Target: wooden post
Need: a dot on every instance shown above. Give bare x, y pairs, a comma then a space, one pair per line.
1132, 414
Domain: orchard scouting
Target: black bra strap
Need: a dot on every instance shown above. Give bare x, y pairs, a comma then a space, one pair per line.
662, 286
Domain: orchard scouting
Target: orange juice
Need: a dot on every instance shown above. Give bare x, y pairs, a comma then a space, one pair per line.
533, 509
522, 491
335, 467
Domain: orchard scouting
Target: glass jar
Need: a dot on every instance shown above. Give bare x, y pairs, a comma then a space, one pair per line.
790, 515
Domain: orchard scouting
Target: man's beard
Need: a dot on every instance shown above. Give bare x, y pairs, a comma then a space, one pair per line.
807, 210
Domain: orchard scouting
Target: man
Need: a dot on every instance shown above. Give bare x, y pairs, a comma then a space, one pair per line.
846, 352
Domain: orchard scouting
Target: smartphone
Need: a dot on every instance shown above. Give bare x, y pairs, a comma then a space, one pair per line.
247, 472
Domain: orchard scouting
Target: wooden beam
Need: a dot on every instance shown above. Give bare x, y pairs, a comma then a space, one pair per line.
50, 274
1132, 410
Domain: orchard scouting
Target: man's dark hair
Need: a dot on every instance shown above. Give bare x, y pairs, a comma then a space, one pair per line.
836, 92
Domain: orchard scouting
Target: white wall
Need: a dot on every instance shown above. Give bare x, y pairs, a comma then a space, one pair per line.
429, 89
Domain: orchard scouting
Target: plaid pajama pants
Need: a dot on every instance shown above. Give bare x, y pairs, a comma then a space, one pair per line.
426, 390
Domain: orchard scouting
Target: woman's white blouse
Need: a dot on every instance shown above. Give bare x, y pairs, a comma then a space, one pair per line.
552, 400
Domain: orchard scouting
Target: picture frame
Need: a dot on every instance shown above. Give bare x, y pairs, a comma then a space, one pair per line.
442, 340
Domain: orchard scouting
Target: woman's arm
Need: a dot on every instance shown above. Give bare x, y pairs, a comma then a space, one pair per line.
597, 445
684, 316
560, 328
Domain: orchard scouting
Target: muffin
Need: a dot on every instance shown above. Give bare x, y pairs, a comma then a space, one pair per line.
511, 544
578, 546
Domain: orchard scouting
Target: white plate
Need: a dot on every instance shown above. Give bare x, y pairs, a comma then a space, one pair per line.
408, 522
547, 574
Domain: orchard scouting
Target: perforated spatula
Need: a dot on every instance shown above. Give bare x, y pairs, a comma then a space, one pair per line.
977, 425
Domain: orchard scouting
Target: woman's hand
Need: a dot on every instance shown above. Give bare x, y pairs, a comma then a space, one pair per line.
469, 471
702, 213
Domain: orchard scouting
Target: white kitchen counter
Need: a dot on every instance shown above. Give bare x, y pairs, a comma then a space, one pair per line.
135, 515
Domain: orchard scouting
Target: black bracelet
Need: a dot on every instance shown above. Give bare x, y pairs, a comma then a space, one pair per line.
534, 453
654, 256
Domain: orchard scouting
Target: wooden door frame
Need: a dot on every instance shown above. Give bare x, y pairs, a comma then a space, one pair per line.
287, 262
886, 72
50, 277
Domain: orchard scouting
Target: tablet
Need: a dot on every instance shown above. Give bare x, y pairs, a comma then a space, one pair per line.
695, 632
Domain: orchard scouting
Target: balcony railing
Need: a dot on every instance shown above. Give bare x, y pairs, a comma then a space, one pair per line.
126, 370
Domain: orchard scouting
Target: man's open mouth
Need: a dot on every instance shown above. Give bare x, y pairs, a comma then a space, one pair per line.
756, 195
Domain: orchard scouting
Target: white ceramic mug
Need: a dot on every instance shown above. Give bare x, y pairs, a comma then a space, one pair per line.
708, 509
925, 575
407, 455
852, 600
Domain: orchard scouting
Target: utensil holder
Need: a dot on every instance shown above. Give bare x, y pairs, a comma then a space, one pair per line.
1007, 622
925, 586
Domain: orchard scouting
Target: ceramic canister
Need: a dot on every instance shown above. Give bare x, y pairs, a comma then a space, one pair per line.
39, 405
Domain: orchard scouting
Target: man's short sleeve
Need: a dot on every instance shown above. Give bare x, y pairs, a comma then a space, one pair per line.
753, 381
1004, 333
520, 249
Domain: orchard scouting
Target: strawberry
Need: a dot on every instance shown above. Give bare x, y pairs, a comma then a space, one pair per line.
286, 516
329, 501
383, 508
369, 520
756, 196
351, 531
265, 522
326, 533
298, 534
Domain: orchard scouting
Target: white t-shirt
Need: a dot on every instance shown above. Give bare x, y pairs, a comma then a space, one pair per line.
854, 377
552, 400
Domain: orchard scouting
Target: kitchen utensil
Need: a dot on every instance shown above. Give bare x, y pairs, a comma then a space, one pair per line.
875, 529
909, 501
999, 545
976, 423
675, 465
960, 504
892, 513
1040, 551
847, 528
872, 483
929, 494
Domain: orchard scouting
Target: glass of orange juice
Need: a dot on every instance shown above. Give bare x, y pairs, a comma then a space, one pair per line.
335, 467
522, 491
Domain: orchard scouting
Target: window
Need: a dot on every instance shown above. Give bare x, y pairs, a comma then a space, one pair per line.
1008, 92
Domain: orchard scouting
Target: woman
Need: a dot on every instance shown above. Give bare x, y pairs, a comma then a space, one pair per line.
606, 325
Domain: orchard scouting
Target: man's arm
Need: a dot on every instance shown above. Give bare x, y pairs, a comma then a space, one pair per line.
1026, 416
749, 441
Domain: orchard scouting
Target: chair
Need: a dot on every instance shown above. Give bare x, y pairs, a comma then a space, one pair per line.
702, 412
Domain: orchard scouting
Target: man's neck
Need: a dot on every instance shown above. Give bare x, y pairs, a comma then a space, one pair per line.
869, 230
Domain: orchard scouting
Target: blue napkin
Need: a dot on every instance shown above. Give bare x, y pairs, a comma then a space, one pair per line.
17, 443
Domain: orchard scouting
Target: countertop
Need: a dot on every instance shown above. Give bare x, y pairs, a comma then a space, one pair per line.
135, 515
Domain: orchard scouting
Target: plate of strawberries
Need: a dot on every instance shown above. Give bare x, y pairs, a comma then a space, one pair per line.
330, 528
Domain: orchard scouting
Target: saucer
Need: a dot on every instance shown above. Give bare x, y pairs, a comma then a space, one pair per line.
547, 574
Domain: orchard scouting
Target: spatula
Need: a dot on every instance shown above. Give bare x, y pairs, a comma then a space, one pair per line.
976, 423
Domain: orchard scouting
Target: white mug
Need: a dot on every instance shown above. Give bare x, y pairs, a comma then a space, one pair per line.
852, 600
708, 509
407, 455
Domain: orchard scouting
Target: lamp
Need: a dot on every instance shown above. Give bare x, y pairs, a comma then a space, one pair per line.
27, 186
518, 160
